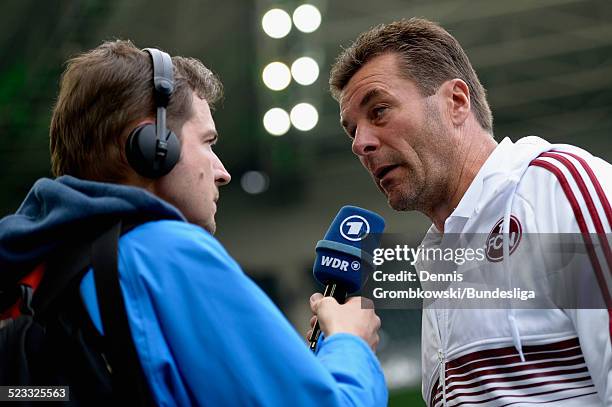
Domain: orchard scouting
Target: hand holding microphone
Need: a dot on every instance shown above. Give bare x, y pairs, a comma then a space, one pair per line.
356, 317
342, 257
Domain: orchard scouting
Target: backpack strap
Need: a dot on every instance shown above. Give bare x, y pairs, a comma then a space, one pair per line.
65, 271
129, 383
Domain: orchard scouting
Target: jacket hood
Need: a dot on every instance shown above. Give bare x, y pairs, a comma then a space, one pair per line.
57, 212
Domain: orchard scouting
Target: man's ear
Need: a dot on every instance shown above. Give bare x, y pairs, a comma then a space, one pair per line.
456, 95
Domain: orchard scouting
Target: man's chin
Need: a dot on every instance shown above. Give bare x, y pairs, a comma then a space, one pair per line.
211, 227
400, 202
397, 206
207, 224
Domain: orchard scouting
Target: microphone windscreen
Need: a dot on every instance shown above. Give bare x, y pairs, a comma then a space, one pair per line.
346, 251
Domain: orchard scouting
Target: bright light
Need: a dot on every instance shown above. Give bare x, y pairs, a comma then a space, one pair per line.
305, 70
304, 116
254, 182
307, 18
276, 76
276, 121
276, 23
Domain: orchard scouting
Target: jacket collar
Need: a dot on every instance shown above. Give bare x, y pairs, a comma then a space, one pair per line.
505, 164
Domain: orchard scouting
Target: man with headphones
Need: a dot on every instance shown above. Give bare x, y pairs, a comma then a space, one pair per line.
203, 332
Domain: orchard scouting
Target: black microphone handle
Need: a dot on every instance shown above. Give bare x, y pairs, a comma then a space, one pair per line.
337, 291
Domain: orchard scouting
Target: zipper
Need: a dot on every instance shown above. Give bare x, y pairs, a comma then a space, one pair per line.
442, 375
440, 322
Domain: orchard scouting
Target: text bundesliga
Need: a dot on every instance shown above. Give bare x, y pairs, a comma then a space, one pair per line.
458, 293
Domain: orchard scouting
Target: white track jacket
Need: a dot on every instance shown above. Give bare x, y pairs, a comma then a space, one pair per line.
526, 357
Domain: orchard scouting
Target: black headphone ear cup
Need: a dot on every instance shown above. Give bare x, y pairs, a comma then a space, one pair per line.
141, 147
173, 155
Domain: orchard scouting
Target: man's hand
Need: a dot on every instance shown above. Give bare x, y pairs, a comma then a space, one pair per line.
349, 317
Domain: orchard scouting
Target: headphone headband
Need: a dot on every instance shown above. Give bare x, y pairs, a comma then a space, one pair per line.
163, 76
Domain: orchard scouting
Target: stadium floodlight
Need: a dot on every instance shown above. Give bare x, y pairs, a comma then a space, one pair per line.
307, 18
305, 70
254, 182
276, 76
276, 23
276, 121
304, 116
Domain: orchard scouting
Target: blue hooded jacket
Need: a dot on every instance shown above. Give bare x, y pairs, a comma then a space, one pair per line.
204, 332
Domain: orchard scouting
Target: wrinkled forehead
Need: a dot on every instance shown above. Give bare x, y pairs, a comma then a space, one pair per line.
359, 90
377, 73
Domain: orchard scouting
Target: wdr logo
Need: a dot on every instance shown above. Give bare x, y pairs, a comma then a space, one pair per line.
354, 228
339, 264
334, 263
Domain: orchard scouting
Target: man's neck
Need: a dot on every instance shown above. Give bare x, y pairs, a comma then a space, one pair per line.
471, 157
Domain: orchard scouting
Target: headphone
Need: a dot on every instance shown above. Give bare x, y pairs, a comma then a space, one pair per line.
151, 149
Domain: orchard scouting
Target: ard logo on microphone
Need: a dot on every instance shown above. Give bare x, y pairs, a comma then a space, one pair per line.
354, 228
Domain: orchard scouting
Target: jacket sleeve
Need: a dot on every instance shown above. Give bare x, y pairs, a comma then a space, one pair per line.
207, 335
578, 188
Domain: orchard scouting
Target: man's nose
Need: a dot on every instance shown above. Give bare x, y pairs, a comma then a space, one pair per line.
365, 142
222, 177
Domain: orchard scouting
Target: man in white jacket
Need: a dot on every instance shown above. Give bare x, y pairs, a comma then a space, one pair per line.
421, 125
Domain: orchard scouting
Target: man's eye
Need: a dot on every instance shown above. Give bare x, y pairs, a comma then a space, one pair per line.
378, 112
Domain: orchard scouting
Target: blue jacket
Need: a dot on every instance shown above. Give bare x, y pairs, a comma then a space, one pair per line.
204, 332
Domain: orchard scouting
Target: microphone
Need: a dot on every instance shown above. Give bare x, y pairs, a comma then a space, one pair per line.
345, 254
